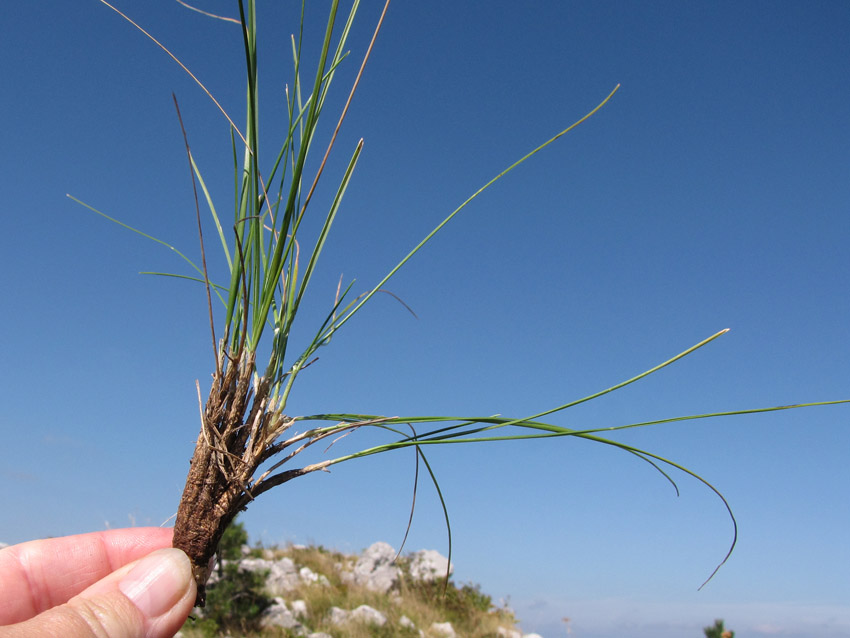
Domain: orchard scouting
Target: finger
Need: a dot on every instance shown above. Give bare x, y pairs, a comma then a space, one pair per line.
41, 574
150, 598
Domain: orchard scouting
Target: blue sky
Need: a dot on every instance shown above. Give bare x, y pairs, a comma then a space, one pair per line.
712, 192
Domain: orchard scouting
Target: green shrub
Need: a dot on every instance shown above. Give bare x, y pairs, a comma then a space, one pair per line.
473, 597
235, 536
236, 602
718, 631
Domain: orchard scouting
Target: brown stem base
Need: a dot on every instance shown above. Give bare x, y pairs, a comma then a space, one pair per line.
216, 484
206, 509
232, 445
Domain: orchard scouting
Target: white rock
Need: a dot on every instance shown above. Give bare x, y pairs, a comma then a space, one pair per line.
299, 608
428, 565
319, 634
279, 616
364, 614
508, 633
532, 636
444, 629
282, 576
254, 564
404, 621
374, 569
338, 616
308, 575
370, 615
2, 545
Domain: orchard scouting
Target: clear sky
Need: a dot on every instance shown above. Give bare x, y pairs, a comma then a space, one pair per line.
712, 192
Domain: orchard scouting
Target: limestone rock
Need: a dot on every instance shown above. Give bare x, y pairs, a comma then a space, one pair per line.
307, 575
338, 616
374, 569
443, 629
369, 615
364, 614
282, 578
407, 623
299, 608
278, 615
428, 565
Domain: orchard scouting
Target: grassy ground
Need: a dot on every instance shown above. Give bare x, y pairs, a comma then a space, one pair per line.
470, 611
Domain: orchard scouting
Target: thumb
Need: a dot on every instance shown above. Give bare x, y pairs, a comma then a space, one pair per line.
149, 598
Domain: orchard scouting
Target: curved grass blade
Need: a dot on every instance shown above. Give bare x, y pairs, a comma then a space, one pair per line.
139, 232
472, 197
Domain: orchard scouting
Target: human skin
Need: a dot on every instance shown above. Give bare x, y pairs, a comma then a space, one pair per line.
126, 583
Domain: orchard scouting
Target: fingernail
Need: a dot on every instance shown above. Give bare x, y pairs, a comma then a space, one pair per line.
158, 581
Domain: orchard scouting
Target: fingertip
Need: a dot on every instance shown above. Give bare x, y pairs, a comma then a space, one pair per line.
162, 588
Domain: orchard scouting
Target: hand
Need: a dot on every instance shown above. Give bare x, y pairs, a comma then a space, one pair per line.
123, 583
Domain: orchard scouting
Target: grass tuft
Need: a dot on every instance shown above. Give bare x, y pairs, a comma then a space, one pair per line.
245, 425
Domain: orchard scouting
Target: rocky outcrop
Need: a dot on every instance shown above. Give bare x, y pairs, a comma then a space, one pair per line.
429, 564
279, 615
375, 569
364, 613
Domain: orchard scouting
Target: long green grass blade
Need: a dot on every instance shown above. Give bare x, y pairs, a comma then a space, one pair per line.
222, 237
139, 232
471, 198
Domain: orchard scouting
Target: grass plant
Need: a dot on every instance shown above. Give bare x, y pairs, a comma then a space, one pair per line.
248, 443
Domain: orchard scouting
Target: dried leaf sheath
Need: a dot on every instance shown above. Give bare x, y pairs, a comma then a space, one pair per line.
221, 468
227, 454
229, 451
